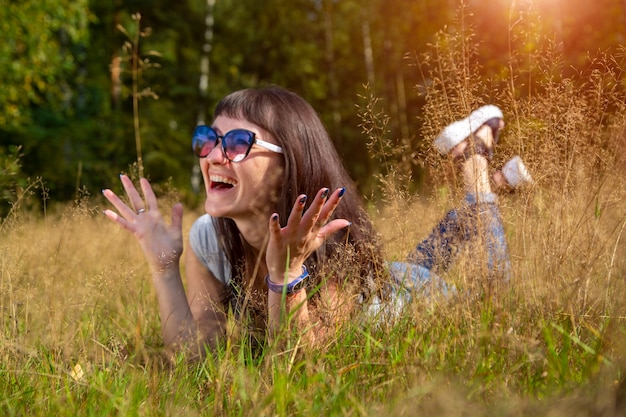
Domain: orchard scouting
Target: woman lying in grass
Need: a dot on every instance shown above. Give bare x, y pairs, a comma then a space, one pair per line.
275, 238
285, 240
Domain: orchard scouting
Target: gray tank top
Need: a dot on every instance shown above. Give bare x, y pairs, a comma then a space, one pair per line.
204, 243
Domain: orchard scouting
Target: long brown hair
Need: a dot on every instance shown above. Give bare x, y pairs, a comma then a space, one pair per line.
311, 162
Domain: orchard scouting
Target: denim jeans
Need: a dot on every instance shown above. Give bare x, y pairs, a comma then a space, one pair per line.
476, 219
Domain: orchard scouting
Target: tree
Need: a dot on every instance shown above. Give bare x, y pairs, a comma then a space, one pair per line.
39, 53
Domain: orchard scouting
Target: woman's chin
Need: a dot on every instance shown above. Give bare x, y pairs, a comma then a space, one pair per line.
215, 210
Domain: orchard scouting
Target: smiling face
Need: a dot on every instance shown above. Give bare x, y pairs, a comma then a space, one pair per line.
242, 190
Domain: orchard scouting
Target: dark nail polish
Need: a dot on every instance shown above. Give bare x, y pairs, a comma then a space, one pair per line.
302, 200
348, 225
342, 192
325, 193
275, 217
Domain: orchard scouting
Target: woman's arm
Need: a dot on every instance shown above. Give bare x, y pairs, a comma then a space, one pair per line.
287, 250
183, 322
316, 325
196, 320
206, 298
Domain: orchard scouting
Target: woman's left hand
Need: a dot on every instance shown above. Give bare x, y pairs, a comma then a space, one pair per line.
162, 243
291, 245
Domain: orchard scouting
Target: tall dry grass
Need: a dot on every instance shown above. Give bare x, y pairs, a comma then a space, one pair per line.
562, 319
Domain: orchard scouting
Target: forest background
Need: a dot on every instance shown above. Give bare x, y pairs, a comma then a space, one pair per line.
66, 71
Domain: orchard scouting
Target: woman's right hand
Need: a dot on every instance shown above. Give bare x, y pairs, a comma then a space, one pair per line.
304, 233
161, 243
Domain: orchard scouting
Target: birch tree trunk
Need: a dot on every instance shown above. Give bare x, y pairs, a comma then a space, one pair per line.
203, 84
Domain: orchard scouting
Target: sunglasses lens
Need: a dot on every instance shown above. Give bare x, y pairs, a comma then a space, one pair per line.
204, 140
238, 143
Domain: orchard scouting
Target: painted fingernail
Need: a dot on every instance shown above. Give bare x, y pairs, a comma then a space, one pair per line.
275, 217
348, 225
342, 192
302, 200
325, 193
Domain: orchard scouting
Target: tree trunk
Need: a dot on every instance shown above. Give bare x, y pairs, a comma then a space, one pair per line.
203, 84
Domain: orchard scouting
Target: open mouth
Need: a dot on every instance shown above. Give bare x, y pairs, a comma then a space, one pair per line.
221, 183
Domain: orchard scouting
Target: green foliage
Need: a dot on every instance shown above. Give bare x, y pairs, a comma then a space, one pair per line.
38, 55
17, 192
72, 113
10, 175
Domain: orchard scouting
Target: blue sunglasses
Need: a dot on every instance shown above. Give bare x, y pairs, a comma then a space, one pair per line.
236, 144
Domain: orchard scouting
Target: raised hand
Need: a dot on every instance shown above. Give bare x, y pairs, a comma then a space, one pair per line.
291, 245
161, 243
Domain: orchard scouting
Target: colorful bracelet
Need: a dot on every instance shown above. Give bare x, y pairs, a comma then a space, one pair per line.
291, 288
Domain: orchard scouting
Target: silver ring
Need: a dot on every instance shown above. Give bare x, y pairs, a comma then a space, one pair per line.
141, 210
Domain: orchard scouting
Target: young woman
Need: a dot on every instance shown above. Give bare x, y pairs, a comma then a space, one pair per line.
285, 239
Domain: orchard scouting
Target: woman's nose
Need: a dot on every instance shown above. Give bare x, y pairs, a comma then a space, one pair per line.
216, 155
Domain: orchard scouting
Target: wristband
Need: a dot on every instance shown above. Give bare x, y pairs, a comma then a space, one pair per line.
291, 288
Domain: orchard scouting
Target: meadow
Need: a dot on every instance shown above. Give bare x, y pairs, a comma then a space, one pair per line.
80, 334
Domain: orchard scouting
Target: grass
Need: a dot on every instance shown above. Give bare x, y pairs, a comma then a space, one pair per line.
80, 335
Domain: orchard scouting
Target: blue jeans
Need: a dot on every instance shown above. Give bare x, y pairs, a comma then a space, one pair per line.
476, 218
